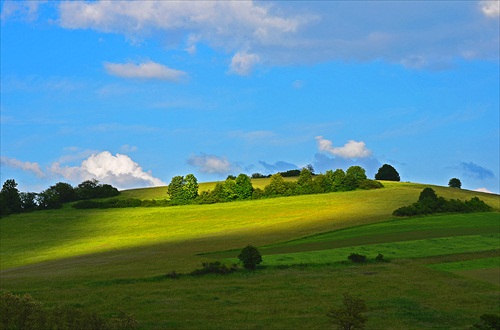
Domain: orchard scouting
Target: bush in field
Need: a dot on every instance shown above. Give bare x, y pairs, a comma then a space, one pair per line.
357, 258
488, 322
370, 184
349, 316
429, 203
215, 267
250, 257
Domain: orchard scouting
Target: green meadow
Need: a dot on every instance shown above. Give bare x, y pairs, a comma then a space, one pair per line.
440, 273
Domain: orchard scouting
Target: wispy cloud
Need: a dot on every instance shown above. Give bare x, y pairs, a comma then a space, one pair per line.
145, 70
475, 171
24, 166
279, 166
211, 164
352, 149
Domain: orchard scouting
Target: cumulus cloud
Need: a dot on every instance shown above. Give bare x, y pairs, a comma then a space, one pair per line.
210, 164
145, 70
351, 149
119, 170
24, 166
475, 171
242, 63
490, 8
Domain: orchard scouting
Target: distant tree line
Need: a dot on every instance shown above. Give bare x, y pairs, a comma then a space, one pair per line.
429, 203
14, 201
181, 190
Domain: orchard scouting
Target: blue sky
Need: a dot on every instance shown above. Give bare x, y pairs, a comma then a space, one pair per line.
134, 93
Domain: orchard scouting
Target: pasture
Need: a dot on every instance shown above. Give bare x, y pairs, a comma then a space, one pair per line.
105, 260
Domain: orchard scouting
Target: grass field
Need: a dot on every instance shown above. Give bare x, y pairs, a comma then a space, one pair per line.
103, 260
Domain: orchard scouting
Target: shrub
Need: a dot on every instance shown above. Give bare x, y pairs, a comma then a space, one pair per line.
357, 258
370, 184
380, 258
488, 322
387, 172
215, 267
250, 257
350, 315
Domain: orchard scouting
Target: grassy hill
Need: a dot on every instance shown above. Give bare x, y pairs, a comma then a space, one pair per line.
116, 258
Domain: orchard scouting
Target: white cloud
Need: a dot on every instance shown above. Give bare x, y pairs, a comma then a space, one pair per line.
145, 70
351, 149
484, 190
490, 8
211, 164
119, 170
242, 63
24, 166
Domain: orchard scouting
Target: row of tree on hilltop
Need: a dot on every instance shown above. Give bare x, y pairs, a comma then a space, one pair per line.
184, 190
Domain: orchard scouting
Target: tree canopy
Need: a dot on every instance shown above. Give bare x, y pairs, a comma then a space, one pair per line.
387, 172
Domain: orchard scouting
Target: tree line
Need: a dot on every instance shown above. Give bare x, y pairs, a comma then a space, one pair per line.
14, 201
184, 190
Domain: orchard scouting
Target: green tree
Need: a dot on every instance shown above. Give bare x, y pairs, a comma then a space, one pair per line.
276, 186
387, 172
305, 182
191, 186
49, 199
338, 180
455, 183
86, 189
10, 199
65, 192
353, 177
351, 315
250, 257
28, 200
175, 190
244, 188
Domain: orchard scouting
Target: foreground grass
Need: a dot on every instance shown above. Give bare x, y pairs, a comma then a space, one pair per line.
104, 260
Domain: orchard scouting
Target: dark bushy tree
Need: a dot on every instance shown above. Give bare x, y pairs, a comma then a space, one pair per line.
387, 172
455, 183
10, 199
65, 192
250, 257
351, 315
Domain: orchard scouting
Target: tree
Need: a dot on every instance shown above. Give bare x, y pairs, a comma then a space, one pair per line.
86, 189
250, 257
353, 177
338, 180
10, 200
65, 192
276, 186
455, 183
350, 315
244, 188
191, 186
28, 200
49, 199
305, 182
387, 172
175, 189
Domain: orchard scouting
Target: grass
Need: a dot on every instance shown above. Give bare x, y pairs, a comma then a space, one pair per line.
104, 260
